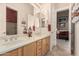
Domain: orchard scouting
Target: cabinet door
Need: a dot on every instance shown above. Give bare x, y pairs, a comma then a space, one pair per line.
39, 48
30, 49
12, 53
20, 51
48, 43
44, 47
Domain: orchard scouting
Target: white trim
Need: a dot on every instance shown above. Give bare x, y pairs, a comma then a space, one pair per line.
70, 27
62, 9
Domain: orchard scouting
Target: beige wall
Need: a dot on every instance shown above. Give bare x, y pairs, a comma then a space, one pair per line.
23, 11
2, 19
44, 11
61, 5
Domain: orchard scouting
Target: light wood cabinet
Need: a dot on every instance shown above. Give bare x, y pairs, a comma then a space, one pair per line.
16, 52
39, 48
30, 49
11, 53
45, 45
48, 43
20, 51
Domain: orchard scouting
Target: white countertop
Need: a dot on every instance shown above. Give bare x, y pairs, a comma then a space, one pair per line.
21, 41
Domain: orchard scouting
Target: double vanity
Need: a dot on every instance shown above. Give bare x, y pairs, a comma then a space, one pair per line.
22, 45
31, 40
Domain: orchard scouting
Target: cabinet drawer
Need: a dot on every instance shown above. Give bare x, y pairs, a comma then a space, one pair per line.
39, 47
38, 42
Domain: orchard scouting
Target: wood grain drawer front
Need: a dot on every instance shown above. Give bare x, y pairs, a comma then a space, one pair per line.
38, 50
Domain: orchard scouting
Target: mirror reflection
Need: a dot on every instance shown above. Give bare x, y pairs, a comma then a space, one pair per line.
11, 21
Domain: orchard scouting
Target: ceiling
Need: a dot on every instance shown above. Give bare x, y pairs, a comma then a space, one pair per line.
40, 5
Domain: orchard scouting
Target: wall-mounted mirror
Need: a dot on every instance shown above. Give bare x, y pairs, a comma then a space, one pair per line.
33, 21
41, 19
11, 21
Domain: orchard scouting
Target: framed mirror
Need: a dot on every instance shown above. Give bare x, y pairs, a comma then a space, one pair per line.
11, 21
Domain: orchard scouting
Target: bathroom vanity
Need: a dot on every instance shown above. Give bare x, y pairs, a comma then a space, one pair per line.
15, 44
25, 46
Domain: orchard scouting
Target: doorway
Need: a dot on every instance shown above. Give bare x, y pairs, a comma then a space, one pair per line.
62, 34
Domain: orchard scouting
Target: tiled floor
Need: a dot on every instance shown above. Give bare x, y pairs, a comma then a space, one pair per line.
57, 51
63, 44
60, 49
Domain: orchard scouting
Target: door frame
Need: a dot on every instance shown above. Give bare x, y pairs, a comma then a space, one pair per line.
69, 22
